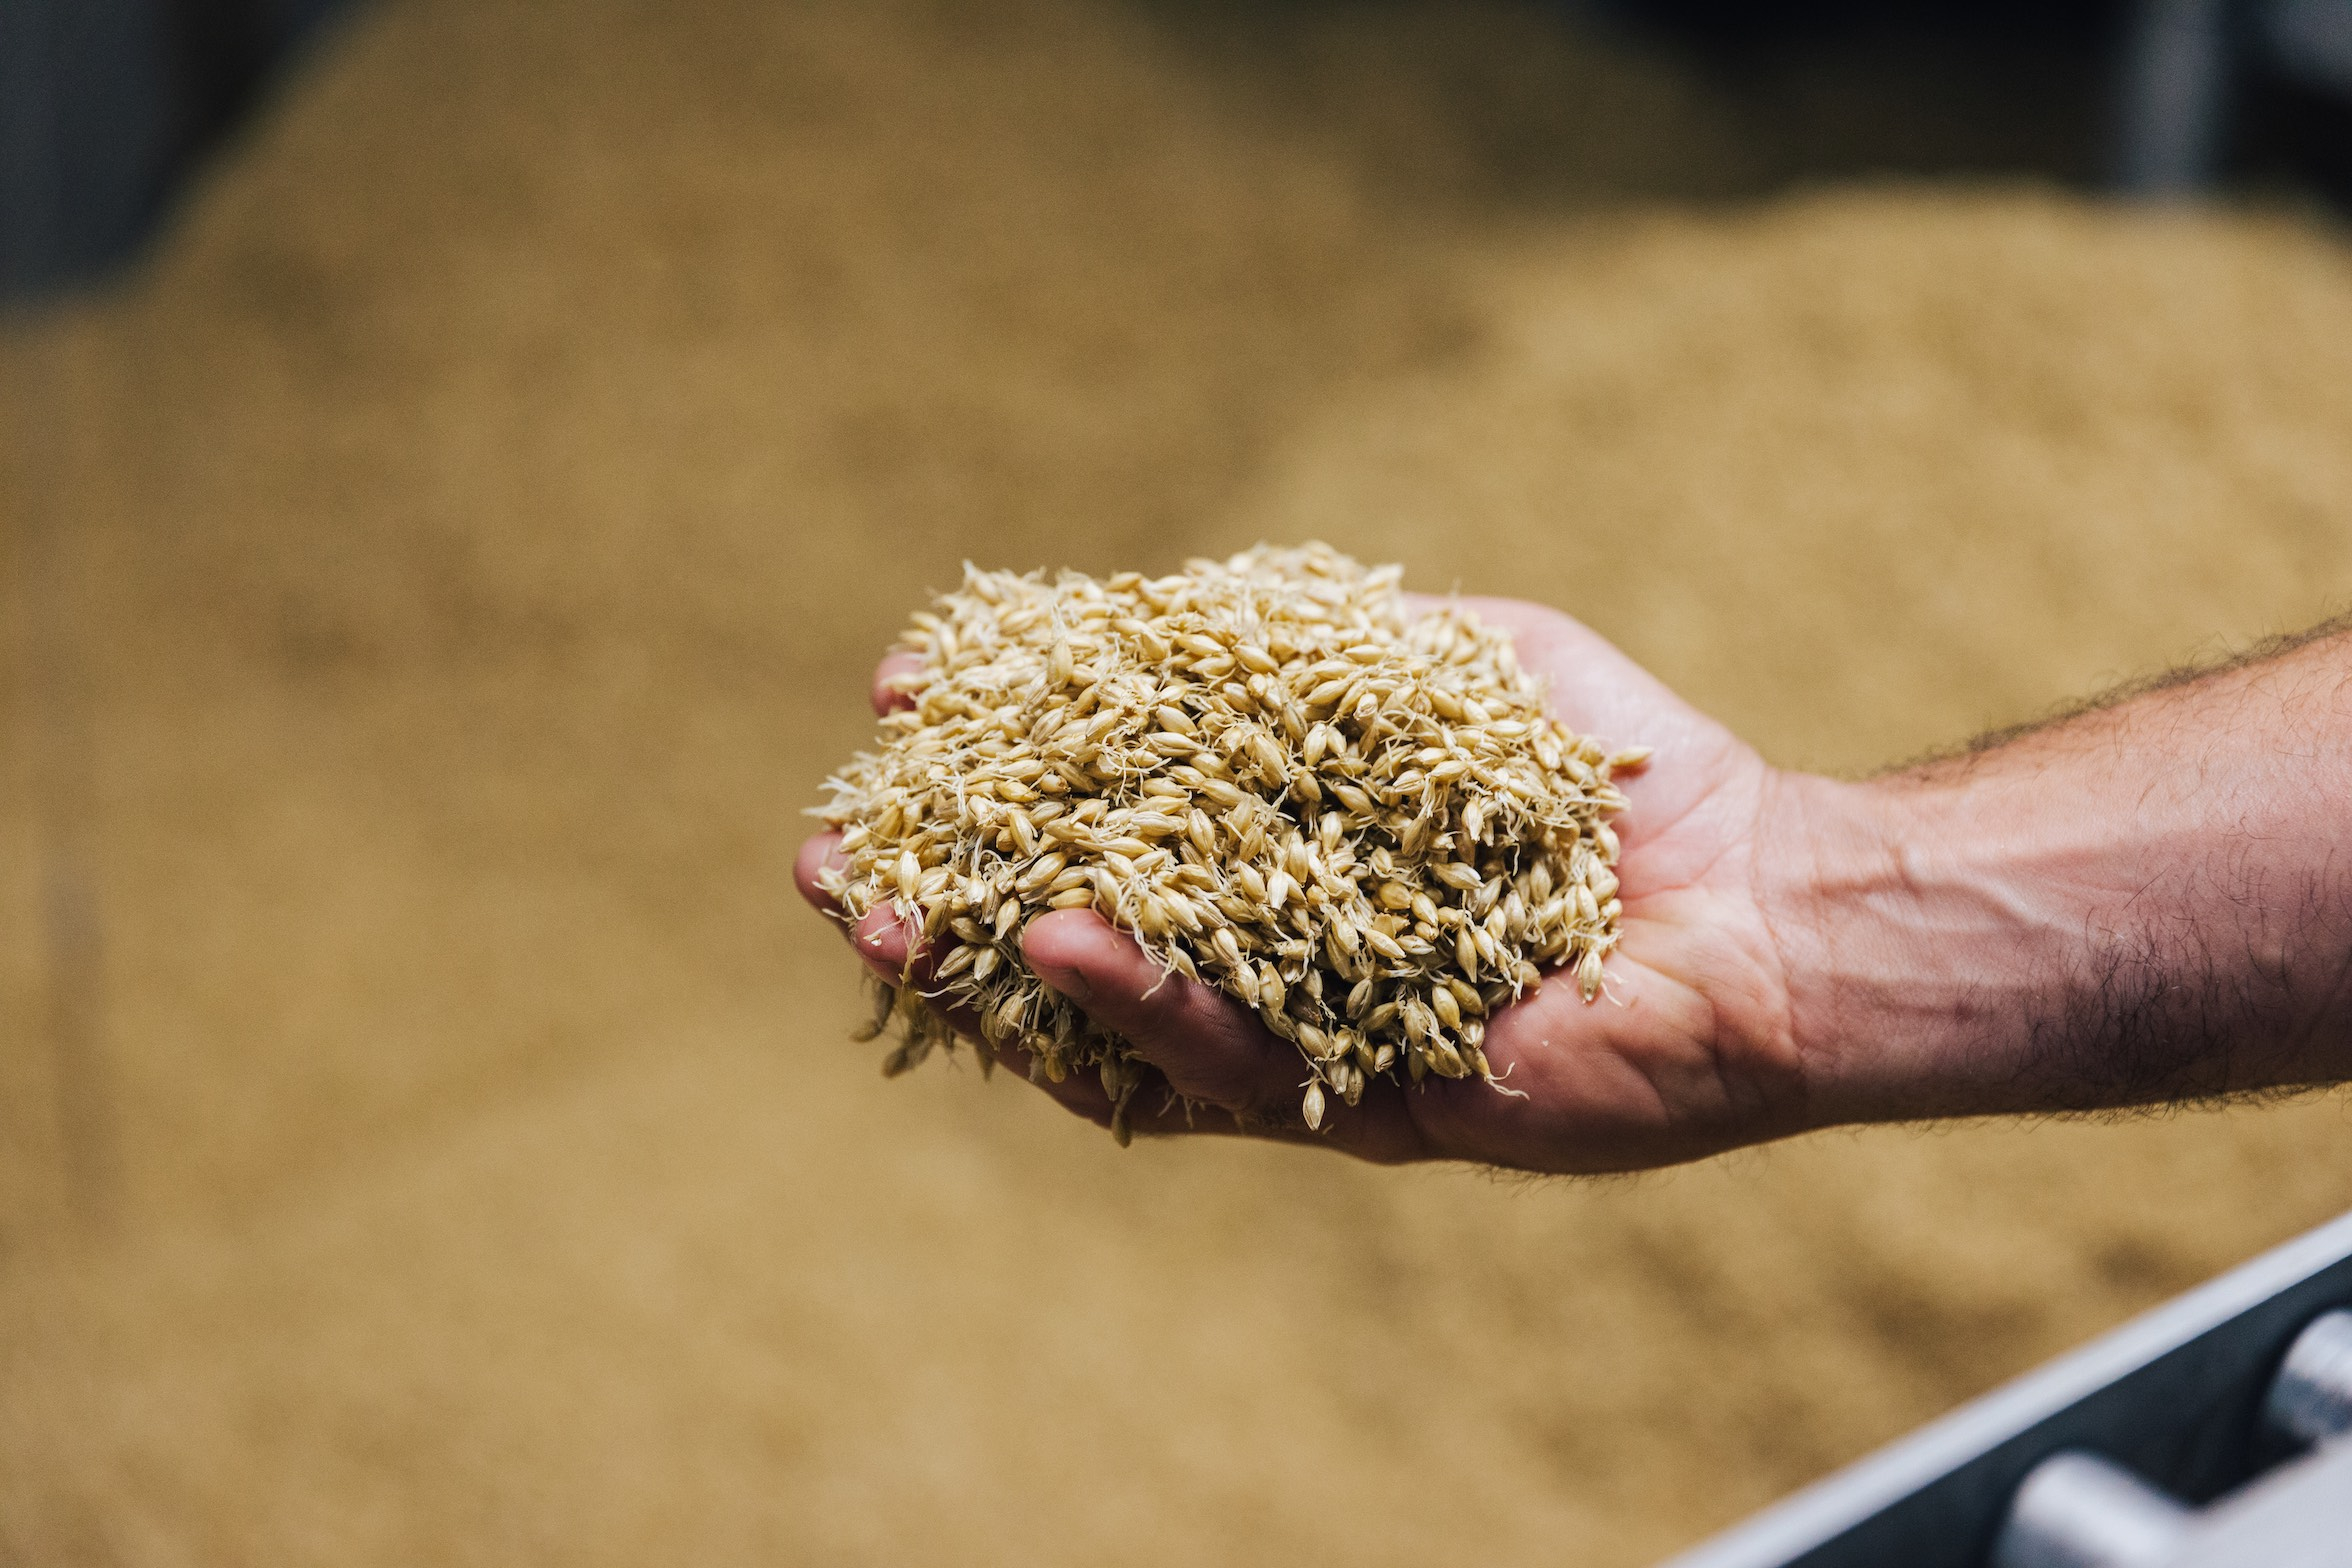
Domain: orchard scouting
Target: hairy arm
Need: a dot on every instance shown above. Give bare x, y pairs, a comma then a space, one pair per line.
2146, 902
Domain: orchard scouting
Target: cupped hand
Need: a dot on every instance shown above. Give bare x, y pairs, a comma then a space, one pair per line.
1690, 1048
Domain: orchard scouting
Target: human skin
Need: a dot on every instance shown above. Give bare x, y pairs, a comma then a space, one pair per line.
2146, 901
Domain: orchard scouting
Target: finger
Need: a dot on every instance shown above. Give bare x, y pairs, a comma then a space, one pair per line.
890, 682
890, 945
882, 938
1211, 1048
883, 941
820, 854
886, 943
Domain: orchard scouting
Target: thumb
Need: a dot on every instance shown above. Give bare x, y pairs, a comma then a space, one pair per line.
1208, 1046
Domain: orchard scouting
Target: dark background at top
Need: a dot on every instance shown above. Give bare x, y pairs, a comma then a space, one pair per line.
107, 106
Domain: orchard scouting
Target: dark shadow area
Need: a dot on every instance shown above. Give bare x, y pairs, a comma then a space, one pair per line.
1696, 99
2295, 135
1675, 98
105, 107
1837, 90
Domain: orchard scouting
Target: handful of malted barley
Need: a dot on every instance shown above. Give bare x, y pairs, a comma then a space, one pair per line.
1356, 819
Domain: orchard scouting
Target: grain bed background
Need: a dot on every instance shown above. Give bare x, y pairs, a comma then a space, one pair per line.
437, 581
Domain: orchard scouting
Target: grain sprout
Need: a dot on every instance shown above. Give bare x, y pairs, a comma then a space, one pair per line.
1354, 818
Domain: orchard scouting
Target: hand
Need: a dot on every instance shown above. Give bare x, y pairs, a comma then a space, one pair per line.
1691, 1049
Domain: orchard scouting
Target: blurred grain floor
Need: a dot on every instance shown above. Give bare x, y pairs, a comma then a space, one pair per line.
427, 1129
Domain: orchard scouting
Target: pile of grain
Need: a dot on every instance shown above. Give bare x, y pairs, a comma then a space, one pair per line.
1353, 817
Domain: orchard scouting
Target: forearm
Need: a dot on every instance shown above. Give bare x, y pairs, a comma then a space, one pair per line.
2145, 902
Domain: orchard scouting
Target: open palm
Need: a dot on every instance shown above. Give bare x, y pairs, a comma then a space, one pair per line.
1689, 1050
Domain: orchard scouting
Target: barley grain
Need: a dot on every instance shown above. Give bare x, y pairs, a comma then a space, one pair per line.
1355, 819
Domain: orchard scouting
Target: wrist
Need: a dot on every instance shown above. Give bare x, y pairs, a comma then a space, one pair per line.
1909, 952
2145, 904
